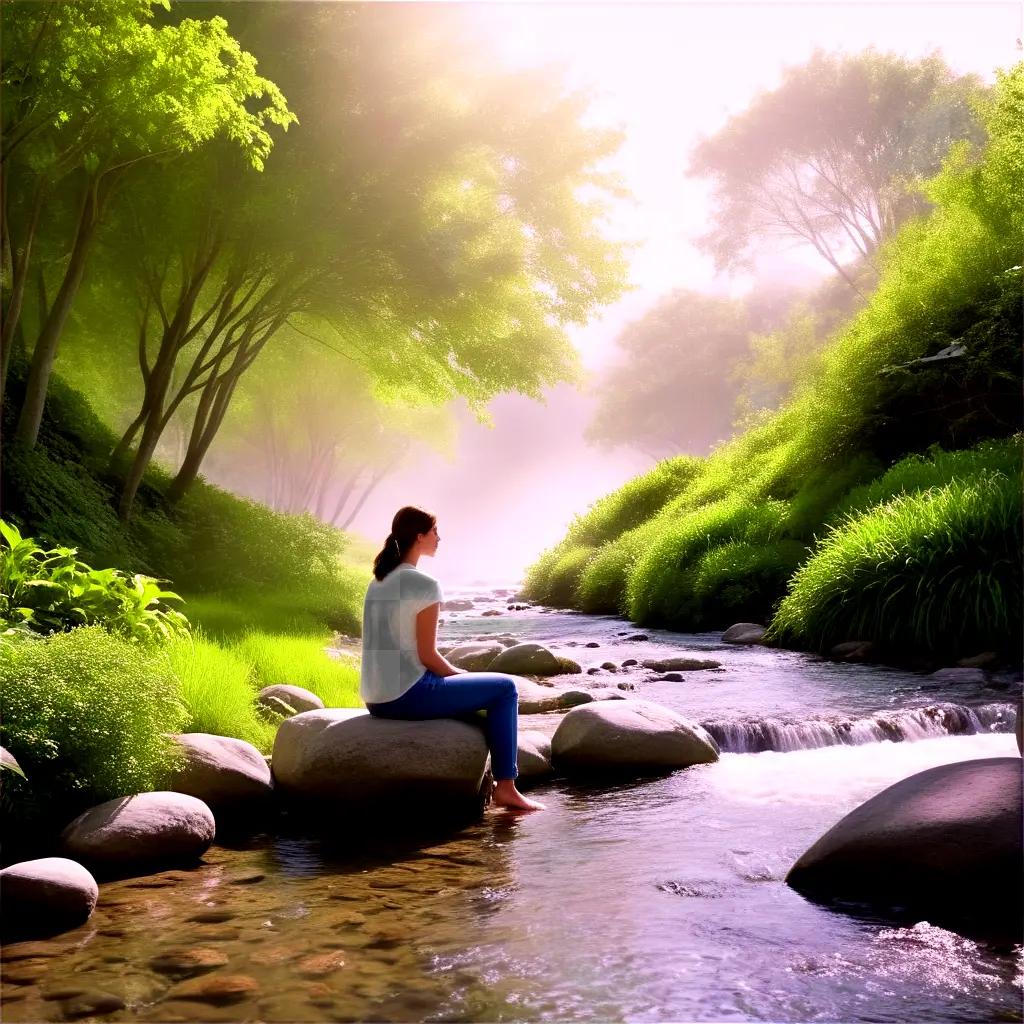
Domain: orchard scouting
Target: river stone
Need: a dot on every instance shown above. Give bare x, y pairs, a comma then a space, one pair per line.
155, 830
629, 737
534, 756
187, 963
474, 657
215, 989
46, 895
744, 633
945, 842
955, 676
458, 605
681, 664
535, 699
527, 660
854, 650
294, 696
346, 756
222, 771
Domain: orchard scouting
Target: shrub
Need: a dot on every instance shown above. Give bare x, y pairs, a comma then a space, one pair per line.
935, 573
51, 590
84, 713
216, 686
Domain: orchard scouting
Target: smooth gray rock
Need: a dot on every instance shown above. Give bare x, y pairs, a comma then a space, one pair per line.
681, 664
294, 696
534, 756
744, 633
629, 737
956, 676
222, 771
527, 660
945, 842
344, 756
458, 605
161, 829
854, 650
535, 699
474, 657
46, 895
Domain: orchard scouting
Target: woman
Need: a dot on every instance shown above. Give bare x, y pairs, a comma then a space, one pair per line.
403, 676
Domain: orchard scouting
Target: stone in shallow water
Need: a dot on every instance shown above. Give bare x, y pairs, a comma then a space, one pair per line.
92, 1004
224, 772
318, 965
46, 895
216, 989
187, 963
534, 756
680, 664
744, 633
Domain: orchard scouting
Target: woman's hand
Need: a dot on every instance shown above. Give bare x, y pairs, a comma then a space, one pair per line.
426, 643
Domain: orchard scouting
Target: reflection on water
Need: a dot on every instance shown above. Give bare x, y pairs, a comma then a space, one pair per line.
649, 901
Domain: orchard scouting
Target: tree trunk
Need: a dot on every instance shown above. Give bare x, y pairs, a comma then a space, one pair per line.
49, 337
19, 275
143, 456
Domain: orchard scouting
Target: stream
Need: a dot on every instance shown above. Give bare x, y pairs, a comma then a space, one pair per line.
654, 900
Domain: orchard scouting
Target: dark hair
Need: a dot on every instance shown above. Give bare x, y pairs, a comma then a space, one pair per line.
408, 524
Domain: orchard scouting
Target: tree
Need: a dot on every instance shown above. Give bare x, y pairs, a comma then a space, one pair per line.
834, 157
91, 91
426, 219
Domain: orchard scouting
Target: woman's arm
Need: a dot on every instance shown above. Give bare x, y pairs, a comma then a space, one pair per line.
426, 643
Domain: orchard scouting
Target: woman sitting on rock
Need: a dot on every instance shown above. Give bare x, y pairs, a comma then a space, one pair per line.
403, 676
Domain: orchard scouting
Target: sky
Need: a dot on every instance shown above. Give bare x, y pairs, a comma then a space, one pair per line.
667, 74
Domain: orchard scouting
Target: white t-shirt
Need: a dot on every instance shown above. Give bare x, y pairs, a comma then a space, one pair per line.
391, 663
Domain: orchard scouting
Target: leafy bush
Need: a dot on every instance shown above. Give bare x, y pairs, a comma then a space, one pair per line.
217, 688
84, 713
46, 591
935, 573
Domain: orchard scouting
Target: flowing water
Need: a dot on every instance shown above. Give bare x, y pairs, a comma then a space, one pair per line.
651, 900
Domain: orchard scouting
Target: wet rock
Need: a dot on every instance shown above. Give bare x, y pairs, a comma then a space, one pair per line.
224, 772
506, 641
680, 664
188, 963
986, 660
629, 661
491, 611
535, 699
474, 657
638, 636
527, 659
744, 633
216, 989
670, 677
153, 830
960, 676
44, 896
609, 666
945, 842
344, 755
593, 643
854, 650
297, 698
593, 671
625, 686
457, 606
319, 965
534, 756
92, 1004
629, 738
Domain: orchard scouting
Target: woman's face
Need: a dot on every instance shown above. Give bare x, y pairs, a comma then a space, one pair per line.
429, 541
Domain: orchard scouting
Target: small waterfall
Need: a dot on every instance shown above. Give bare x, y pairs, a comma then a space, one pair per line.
757, 734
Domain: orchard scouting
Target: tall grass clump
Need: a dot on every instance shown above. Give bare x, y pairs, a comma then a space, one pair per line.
300, 661
85, 713
216, 686
936, 573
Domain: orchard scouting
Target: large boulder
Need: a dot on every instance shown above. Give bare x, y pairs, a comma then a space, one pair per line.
535, 699
152, 830
681, 664
945, 842
346, 756
534, 756
41, 897
960, 676
296, 697
629, 737
532, 660
744, 633
474, 657
226, 773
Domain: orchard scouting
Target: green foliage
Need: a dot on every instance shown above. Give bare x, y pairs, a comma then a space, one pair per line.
933, 573
85, 713
48, 591
217, 687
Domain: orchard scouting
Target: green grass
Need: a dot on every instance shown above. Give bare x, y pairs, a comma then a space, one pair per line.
935, 572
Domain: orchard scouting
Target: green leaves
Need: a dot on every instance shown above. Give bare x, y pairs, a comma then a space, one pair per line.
50, 591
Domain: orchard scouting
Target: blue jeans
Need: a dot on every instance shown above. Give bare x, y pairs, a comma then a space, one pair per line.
434, 696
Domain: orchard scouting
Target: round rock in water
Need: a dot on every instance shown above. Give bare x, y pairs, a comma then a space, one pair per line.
47, 895
627, 737
152, 830
744, 633
294, 696
945, 842
222, 771
534, 756
346, 756
965, 676
474, 657
536, 699
527, 660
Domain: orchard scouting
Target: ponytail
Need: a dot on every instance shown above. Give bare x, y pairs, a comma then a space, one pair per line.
406, 527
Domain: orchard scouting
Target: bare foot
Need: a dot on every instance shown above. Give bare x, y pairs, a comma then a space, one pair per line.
506, 795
